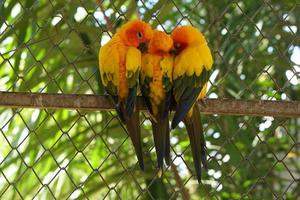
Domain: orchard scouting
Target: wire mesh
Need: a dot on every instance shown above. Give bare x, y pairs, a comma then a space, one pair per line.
51, 46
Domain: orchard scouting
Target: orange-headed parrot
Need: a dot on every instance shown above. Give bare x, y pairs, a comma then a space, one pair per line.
192, 66
120, 63
156, 87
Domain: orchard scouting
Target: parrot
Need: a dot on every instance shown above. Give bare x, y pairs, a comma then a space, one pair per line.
156, 89
119, 65
191, 71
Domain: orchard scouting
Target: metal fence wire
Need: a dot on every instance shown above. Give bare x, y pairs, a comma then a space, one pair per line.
51, 46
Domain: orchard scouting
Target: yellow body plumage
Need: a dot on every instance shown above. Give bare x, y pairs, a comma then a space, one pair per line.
155, 80
120, 62
192, 67
155, 67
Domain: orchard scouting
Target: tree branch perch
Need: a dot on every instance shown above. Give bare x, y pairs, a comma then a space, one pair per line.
100, 102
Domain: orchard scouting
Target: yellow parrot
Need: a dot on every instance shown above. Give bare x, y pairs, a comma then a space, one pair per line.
156, 87
120, 63
192, 67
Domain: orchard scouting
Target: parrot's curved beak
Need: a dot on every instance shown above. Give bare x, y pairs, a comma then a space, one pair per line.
173, 51
143, 47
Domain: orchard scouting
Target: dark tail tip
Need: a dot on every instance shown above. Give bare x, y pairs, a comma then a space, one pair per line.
159, 142
199, 178
141, 163
168, 161
197, 166
174, 123
167, 145
139, 154
203, 157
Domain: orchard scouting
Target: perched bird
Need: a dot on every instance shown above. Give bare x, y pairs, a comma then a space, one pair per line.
192, 66
120, 63
156, 87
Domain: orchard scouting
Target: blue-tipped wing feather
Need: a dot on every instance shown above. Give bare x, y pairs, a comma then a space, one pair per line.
185, 103
186, 91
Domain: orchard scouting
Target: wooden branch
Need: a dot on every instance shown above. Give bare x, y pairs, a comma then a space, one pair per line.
183, 190
98, 102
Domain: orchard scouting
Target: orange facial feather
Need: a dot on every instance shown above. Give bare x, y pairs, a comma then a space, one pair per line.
160, 43
185, 36
135, 32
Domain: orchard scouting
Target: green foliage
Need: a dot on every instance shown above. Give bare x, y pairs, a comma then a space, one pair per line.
52, 46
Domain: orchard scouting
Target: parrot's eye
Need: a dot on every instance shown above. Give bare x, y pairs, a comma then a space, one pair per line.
177, 45
139, 35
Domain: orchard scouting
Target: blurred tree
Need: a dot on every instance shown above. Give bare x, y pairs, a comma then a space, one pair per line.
52, 46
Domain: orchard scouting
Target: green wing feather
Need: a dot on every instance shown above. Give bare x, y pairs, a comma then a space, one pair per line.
186, 91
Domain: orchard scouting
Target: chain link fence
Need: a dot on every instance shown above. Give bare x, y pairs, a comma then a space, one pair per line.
51, 46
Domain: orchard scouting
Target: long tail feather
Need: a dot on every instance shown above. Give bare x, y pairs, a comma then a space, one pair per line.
159, 134
197, 142
199, 128
131, 100
120, 113
167, 142
133, 128
165, 115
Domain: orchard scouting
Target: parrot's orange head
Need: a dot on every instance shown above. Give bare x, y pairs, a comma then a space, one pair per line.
136, 33
185, 36
160, 43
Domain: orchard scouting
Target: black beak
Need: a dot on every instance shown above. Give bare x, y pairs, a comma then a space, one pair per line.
173, 51
143, 47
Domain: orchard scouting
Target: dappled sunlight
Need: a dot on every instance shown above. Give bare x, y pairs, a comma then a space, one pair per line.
52, 47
